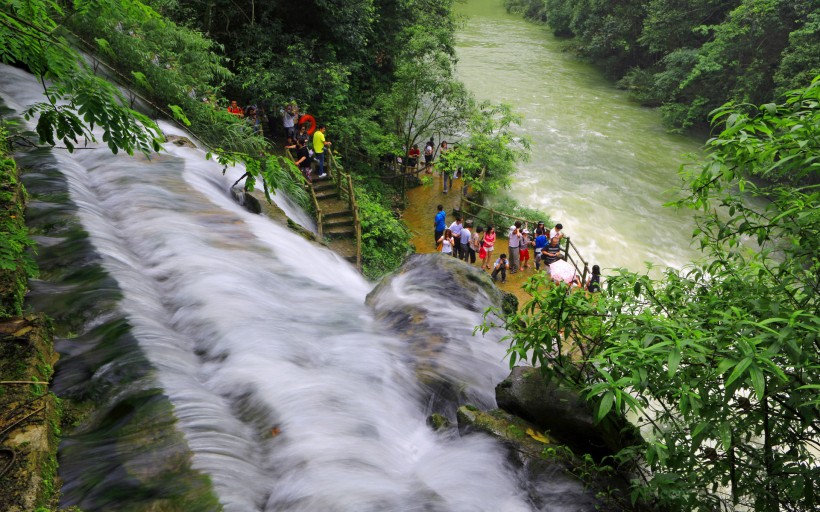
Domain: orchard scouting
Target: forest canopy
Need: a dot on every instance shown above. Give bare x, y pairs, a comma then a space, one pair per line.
691, 56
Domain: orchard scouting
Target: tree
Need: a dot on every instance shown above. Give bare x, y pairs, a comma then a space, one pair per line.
720, 362
486, 157
426, 99
77, 101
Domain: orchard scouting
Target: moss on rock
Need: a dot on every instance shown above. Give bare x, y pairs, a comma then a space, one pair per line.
31, 418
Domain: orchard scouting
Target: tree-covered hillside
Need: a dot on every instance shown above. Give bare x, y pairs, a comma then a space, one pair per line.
691, 56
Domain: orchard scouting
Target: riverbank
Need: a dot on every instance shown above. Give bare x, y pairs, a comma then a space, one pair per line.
419, 216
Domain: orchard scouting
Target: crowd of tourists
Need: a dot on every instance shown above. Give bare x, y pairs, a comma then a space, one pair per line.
303, 135
472, 245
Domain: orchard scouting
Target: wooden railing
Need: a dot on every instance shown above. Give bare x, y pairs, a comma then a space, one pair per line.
580, 264
571, 253
344, 185
313, 199
493, 213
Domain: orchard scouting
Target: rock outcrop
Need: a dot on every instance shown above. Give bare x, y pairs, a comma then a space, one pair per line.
562, 411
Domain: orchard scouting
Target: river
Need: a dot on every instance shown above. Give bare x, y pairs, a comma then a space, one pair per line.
601, 164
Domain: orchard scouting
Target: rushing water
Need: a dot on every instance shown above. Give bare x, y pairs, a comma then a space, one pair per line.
601, 165
217, 345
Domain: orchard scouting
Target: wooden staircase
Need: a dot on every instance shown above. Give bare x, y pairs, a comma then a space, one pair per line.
337, 213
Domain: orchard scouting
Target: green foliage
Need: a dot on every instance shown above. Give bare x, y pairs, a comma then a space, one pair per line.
28, 36
691, 56
16, 262
488, 154
532, 10
425, 99
508, 211
720, 362
384, 237
775, 142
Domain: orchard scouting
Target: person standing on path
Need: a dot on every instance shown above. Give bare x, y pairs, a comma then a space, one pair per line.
289, 120
489, 244
466, 236
515, 242
413, 158
303, 135
303, 160
593, 284
524, 249
556, 231
445, 174
540, 242
553, 252
440, 223
319, 146
429, 148
235, 109
456, 229
447, 242
475, 243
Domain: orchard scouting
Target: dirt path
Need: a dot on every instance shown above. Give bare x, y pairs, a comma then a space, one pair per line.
419, 216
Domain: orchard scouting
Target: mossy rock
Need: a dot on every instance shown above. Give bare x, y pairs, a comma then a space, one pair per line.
550, 476
32, 414
555, 405
520, 434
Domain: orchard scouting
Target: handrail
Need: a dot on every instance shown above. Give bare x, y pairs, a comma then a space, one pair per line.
570, 247
493, 212
313, 198
354, 207
318, 212
344, 183
568, 257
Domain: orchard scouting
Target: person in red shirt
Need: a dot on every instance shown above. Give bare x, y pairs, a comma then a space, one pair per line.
235, 109
413, 156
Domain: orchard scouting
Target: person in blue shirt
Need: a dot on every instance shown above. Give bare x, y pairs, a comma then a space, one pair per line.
440, 223
540, 242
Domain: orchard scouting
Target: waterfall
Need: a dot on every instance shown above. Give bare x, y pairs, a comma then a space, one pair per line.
218, 345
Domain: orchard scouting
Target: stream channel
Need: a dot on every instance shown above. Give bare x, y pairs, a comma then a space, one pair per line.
601, 164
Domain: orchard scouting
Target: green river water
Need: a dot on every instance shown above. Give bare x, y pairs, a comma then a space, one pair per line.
601, 164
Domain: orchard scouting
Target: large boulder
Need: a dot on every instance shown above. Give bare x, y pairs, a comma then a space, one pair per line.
433, 303
553, 475
554, 406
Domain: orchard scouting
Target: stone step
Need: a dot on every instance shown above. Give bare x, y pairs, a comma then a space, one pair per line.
337, 222
323, 185
339, 231
336, 215
327, 195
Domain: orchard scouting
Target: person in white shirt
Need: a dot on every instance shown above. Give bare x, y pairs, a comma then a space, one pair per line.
556, 231
466, 236
455, 229
515, 242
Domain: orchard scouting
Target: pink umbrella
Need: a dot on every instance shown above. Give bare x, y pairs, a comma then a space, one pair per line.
562, 271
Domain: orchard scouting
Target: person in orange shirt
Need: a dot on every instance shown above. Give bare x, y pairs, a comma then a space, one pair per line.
235, 109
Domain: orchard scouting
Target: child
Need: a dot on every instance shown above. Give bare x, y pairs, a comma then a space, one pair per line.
594, 281
501, 265
523, 249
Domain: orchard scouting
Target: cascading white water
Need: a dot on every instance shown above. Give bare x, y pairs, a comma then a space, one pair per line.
250, 328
